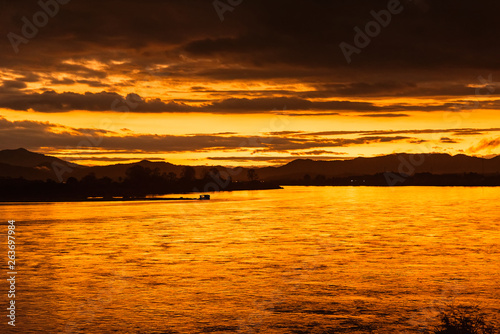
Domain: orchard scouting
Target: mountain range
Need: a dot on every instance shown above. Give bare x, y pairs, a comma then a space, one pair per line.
35, 166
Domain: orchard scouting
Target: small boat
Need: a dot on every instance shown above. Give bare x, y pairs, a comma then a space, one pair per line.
204, 197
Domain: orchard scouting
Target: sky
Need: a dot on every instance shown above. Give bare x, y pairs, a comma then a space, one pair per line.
240, 82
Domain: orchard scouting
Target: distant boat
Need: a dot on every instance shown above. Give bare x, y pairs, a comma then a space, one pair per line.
204, 197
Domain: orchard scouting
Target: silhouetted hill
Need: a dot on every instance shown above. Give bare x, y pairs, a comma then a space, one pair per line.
34, 166
115, 172
24, 158
396, 163
29, 173
29, 165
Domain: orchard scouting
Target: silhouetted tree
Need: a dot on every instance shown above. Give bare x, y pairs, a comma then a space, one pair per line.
214, 173
171, 177
138, 181
156, 173
463, 320
72, 181
188, 174
89, 179
319, 179
252, 175
138, 174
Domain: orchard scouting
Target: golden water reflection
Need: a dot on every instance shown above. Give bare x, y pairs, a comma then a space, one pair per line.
275, 261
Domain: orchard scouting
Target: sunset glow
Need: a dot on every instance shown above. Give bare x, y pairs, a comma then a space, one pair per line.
220, 90
250, 166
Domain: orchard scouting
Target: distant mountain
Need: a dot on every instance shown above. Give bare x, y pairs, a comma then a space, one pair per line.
29, 173
33, 166
397, 163
24, 158
119, 170
30, 165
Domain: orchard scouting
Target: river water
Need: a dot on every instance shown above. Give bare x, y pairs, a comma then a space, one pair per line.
297, 260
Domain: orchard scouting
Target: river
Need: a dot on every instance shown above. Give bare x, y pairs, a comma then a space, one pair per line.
297, 260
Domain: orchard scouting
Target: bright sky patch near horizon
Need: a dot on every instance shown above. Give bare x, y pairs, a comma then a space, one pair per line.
106, 82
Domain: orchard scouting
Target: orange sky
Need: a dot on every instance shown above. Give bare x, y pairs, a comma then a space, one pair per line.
221, 93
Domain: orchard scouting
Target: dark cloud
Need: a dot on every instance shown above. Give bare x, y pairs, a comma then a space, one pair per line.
30, 134
274, 160
104, 159
51, 101
270, 104
65, 81
485, 144
12, 84
279, 57
93, 83
29, 77
447, 140
455, 132
402, 89
317, 152
440, 51
385, 115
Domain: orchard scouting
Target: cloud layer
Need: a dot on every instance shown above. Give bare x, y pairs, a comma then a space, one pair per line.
442, 51
176, 57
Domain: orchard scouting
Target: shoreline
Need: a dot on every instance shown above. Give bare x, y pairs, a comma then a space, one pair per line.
138, 199
143, 199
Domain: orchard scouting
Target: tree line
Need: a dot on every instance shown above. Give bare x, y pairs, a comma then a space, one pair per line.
138, 182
